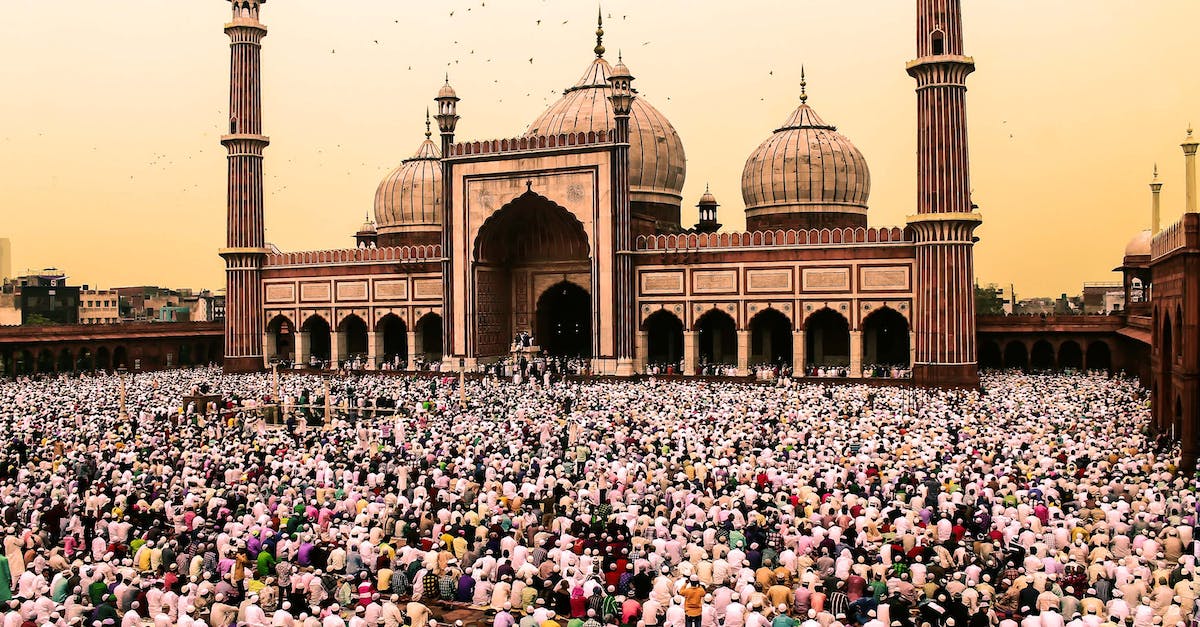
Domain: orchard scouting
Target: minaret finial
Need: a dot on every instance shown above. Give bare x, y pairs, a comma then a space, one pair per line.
428, 133
1156, 171
599, 32
803, 86
706, 187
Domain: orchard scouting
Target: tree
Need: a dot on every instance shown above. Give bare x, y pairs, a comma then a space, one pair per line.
989, 300
37, 320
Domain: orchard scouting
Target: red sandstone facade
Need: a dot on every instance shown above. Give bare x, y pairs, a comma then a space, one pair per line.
571, 233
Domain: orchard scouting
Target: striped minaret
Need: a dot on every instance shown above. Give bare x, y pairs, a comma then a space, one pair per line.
624, 304
946, 220
245, 243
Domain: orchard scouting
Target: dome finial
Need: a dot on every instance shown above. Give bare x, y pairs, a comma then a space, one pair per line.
599, 32
428, 134
803, 86
1156, 171
706, 187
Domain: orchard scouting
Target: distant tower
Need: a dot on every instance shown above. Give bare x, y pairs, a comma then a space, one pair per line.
245, 242
708, 213
367, 235
1190, 193
5, 259
946, 219
1155, 204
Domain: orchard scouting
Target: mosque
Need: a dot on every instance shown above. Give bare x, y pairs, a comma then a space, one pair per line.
571, 234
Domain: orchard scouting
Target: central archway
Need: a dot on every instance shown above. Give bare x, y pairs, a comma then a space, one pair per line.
529, 237
564, 321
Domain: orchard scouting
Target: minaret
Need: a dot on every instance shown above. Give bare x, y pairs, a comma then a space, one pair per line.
623, 281
447, 120
1155, 204
946, 218
244, 250
1189, 171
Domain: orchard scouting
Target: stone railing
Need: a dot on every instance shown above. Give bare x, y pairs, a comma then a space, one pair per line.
517, 144
1169, 240
757, 239
394, 254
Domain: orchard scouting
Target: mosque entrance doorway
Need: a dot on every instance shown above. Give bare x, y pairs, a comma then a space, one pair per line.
827, 334
530, 258
564, 321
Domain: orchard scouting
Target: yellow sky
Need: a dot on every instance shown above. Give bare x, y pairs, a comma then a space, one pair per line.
111, 169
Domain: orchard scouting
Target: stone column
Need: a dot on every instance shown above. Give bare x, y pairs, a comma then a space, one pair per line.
690, 355
412, 350
912, 349
798, 347
374, 350
303, 346
855, 354
743, 353
268, 349
643, 351
337, 349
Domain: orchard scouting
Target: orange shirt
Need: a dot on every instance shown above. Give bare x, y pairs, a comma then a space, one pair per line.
693, 600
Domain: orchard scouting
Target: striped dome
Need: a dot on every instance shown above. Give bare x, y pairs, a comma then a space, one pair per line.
657, 165
805, 168
410, 198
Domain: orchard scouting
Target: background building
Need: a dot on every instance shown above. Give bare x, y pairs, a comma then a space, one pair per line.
5, 259
99, 306
1103, 297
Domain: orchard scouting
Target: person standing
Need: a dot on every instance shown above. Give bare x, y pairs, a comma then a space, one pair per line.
693, 602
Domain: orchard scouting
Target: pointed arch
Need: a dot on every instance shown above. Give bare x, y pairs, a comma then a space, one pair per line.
827, 339
717, 332
771, 338
664, 337
885, 335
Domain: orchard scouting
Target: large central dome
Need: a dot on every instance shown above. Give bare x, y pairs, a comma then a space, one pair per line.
657, 165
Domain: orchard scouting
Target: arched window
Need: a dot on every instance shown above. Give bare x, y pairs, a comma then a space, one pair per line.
937, 42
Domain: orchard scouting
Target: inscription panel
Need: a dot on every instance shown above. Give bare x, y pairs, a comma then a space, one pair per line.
351, 290
886, 278
826, 279
280, 292
314, 292
714, 281
662, 283
424, 289
774, 280
391, 290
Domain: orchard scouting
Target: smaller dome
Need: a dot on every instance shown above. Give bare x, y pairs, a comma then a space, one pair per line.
447, 91
1139, 246
368, 225
620, 71
410, 197
707, 198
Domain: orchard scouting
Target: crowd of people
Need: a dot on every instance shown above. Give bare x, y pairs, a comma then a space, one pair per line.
1039, 501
